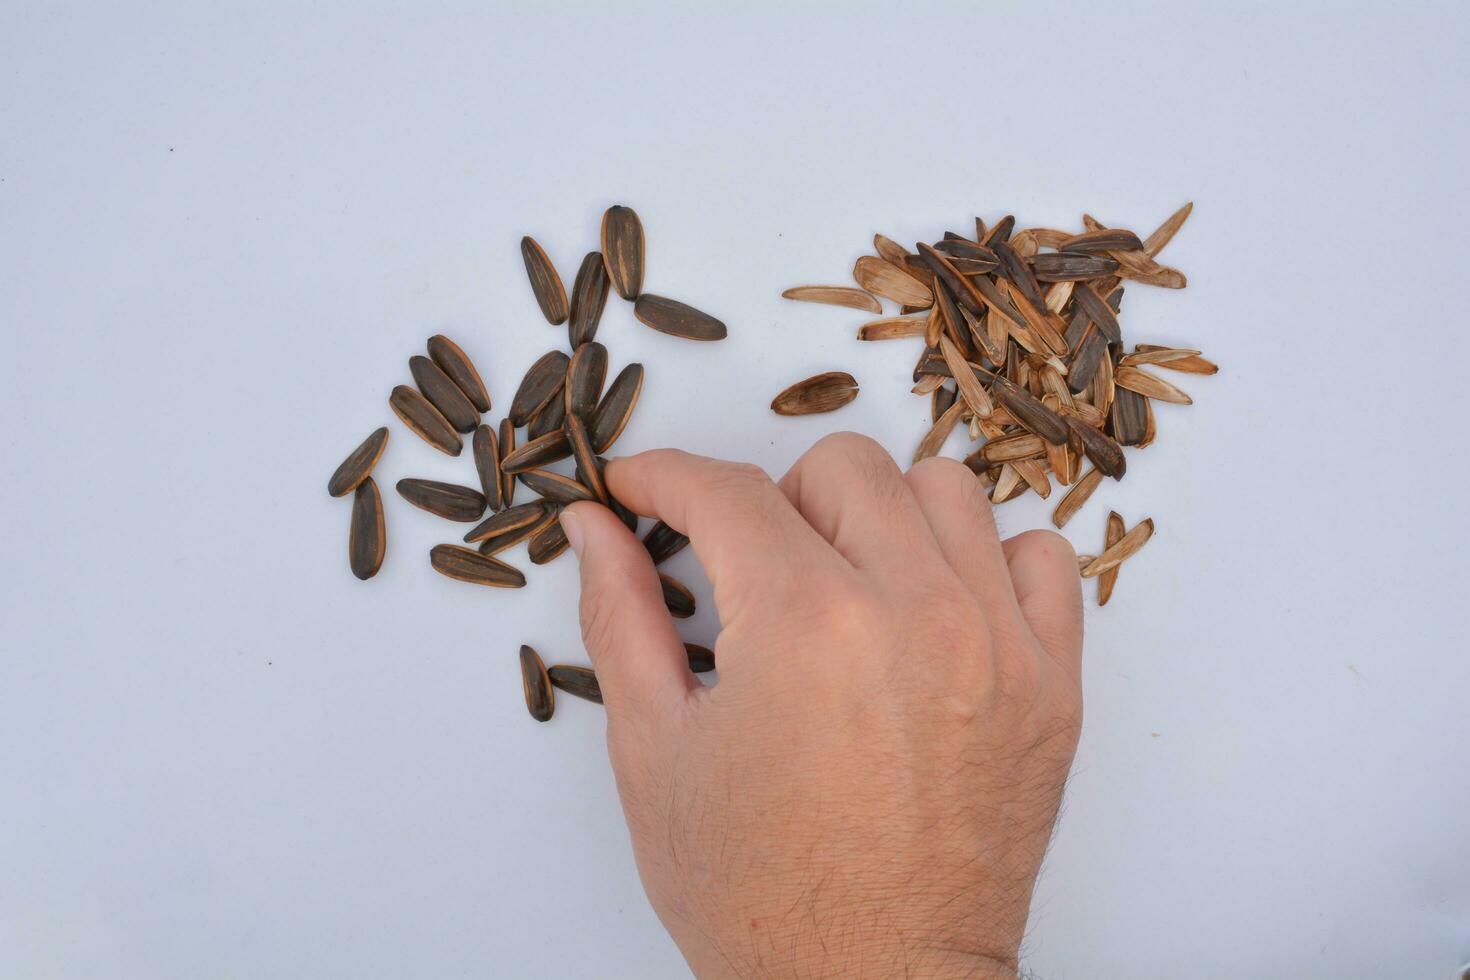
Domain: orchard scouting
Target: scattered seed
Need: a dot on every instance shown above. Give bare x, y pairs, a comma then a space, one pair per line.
663, 542
856, 299
585, 374
972, 392
677, 597
1069, 266
589, 296
469, 565
414, 410
486, 450
1149, 385
943, 397
1105, 454
588, 472
1102, 241
1154, 243
555, 487
507, 446
551, 295
443, 393
890, 250
1106, 580
510, 519
677, 319
548, 543
1009, 448
358, 465
368, 538
1126, 548
543, 382
1074, 498
821, 393
447, 500
616, 407
540, 699
579, 682
1092, 305
461, 370
622, 250
934, 439
1128, 419
701, 659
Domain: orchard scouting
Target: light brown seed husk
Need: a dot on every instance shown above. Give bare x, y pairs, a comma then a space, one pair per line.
1058, 295
367, 540
585, 374
820, 393
663, 542
928, 384
536, 684
509, 539
589, 296
1189, 365
1126, 548
461, 370
1109, 578
677, 597
543, 381
616, 407
883, 278
1149, 429
1008, 485
537, 453
1074, 498
677, 319
468, 565
550, 294
622, 250
443, 393
1164, 233
701, 659
854, 299
1156, 355
1149, 385
414, 410
588, 470
1008, 448
547, 544
1043, 326
447, 500
893, 327
934, 439
890, 250
1035, 477
485, 449
972, 392
510, 519
555, 487
507, 446
358, 465
579, 682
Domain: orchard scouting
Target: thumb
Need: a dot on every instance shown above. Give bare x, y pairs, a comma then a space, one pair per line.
639, 659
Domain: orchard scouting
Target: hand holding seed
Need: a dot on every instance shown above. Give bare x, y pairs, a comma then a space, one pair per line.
870, 787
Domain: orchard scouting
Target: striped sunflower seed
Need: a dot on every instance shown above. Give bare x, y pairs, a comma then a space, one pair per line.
486, 451
510, 519
461, 370
543, 382
663, 542
589, 296
616, 407
677, 597
550, 294
585, 374
443, 393
821, 393
855, 299
447, 500
677, 319
536, 684
622, 250
468, 565
414, 410
367, 541
358, 465
580, 682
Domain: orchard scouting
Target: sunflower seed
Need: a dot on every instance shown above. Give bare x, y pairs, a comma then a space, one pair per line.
1149, 385
555, 487
943, 397
508, 539
1101, 241
367, 540
963, 290
537, 453
1068, 266
972, 392
461, 370
835, 296
548, 419
585, 374
1154, 243
1019, 274
629, 519
820, 393
701, 659
893, 327
1041, 325
414, 410
1106, 580
447, 500
511, 519
443, 393
616, 407
1008, 449
486, 451
507, 446
589, 296
979, 258
1001, 231
543, 382
1074, 498
548, 543
889, 249
1126, 548
663, 542
1092, 305
358, 465
1085, 360
1030, 413
677, 319
885, 279
1189, 365
536, 684
588, 472
469, 565
1156, 355
622, 250
1128, 419
1105, 454
1030, 471
677, 597
580, 682
551, 295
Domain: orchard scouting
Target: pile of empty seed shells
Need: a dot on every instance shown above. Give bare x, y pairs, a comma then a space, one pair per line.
1024, 350
566, 414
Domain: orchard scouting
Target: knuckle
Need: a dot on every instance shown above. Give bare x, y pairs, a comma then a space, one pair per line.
740, 479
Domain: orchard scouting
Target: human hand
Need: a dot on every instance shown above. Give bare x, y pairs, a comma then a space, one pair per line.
869, 788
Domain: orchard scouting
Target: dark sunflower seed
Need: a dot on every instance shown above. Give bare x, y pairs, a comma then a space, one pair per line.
551, 295
940, 401
511, 519
1128, 417
508, 539
1068, 266
663, 542
461, 370
1099, 312
589, 296
622, 250
1019, 273
358, 465
1085, 360
537, 453
588, 472
368, 539
616, 407
677, 597
959, 286
507, 446
822, 393
447, 500
486, 450
415, 412
542, 383
536, 683
585, 374
1103, 240
978, 256
629, 519
1105, 454
1028, 411
1001, 230
469, 565
701, 659
548, 543
555, 487
443, 394
548, 419
677, 319
580, 682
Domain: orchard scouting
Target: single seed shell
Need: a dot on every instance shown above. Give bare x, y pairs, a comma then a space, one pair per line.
893, 327
1103, 240
1126, 548
1074, 498
1128, 419
1149, 385
1001, 230
820, 393
461, 370
1069, 266
367, 540
677, 319
555, 487
1106, 580
622, 250
536, 683
580, 682
890, 281
677, 597
934, 439
538, 453
358, 465
443, 393
585, 374
1092, 305
1019, 274
510, 519
548, 543
414, 410
1154, 243
889, 249
855, 299
486, 450
588, 472
616, 407
943, 397
1105, 454
1009, 448
548, 419
589, 296
701, 659
543, 382
497, 543
972, 392
551, 295
507, 446
469, 565
447, 500
663, 542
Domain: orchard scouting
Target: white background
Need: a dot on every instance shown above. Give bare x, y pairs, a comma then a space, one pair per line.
222, 234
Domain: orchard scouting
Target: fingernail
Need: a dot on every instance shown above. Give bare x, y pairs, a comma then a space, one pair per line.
571, 526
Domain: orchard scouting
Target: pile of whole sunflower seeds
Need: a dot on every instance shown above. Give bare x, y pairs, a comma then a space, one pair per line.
565, 412
1022, 346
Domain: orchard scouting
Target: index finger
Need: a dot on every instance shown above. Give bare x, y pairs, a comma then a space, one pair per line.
752, 542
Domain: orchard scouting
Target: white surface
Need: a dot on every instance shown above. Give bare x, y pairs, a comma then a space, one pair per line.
222, 235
